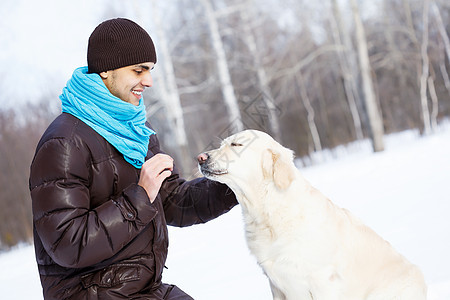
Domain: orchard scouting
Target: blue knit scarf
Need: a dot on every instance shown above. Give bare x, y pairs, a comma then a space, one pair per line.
122, 124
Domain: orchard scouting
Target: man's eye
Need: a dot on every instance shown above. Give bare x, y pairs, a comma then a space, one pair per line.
233, 144
138, 71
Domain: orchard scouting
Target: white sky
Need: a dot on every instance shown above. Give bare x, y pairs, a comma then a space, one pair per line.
41, 43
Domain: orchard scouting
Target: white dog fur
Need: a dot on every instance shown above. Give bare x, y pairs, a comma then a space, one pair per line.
309, 248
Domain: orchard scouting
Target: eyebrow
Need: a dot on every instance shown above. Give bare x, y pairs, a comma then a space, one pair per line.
143, 67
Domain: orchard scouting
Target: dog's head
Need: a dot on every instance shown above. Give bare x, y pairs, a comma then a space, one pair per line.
249, 158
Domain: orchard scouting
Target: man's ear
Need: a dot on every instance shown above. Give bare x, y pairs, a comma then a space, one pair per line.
278, 167
104, 75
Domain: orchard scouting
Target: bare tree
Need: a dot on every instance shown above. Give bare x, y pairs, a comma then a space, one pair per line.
234, 114
445, 46
347, 71
249, 19
434, 101
18, 139
425, 69
443, 69
441, 27
375, 120
169, 93
310, 112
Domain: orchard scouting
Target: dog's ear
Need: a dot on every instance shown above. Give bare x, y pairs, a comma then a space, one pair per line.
278, 167
267, 164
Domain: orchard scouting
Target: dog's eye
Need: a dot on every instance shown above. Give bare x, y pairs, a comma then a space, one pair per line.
233, 144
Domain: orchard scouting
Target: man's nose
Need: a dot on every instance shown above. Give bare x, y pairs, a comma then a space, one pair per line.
147, 81
202, 158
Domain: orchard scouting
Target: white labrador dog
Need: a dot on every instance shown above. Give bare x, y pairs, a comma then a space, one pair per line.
308, 247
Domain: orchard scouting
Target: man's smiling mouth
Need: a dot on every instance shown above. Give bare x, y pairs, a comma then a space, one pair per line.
137, 93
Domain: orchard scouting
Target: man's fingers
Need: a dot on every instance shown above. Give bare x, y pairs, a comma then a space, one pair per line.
164, 174
166, 169
157, 164
153, 172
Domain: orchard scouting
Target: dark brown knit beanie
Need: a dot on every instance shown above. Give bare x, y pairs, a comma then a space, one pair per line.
118, 43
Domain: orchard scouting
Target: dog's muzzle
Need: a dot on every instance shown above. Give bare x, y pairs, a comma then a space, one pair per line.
206, 167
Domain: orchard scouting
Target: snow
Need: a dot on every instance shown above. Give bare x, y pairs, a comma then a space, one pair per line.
403, 193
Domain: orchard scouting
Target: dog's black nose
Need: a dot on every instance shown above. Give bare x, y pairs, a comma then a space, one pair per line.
202, 158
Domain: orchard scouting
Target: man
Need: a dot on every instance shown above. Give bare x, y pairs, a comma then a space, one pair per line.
102, 190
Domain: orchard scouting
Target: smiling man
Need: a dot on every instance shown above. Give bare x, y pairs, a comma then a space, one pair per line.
129, 82
102, 190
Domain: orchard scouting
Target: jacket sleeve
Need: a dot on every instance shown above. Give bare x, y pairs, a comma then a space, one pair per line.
191, 202
196, 201
72, 233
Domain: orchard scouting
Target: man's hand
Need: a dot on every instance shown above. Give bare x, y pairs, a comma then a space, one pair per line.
153, 173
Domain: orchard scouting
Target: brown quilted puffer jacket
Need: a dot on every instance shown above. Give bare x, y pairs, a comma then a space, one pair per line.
96, 234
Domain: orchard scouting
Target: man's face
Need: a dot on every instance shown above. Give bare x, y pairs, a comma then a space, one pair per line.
129, 82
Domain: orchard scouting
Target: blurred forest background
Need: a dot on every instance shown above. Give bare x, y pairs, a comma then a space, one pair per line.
315, 75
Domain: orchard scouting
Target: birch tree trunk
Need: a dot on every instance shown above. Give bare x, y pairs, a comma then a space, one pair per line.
435, 102
349, 79
310, 112
441, 28
234, 114
425, 70
415, 40
446, 44
443, 69
375, 120
249, 18
169, 94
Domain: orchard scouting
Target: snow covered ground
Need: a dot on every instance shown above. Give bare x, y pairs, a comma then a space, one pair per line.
403, 193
